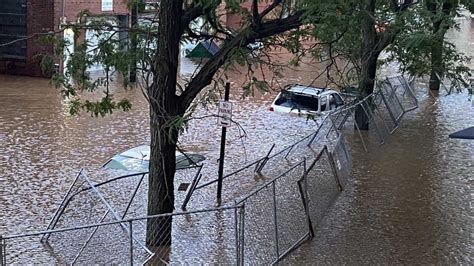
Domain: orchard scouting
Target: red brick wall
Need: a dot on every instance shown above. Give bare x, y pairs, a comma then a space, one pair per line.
39, 20
74, 7
44, 16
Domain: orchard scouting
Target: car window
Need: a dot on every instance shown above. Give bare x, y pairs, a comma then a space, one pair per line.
297, 101
324, 100
332, 102
338, 99
187, 161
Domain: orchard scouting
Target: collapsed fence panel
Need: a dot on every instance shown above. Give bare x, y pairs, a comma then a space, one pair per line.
196, 237
321, 186
392, 101
275, 219
342, 160
404, 91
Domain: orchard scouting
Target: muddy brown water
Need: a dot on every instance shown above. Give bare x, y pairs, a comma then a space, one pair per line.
409, 201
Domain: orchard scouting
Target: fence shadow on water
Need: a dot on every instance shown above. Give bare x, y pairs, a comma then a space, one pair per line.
105, 223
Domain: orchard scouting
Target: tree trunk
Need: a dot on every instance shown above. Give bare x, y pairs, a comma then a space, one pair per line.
439, 30
370, 53
164, 135
366, 87
161, 181
436, 63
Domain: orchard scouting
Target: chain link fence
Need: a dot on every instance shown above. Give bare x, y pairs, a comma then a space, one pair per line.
196, 237
296, 186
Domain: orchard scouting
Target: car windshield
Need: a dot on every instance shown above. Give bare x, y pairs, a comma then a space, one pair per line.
297, 101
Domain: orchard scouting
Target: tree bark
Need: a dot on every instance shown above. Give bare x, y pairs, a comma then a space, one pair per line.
436, 60
366, 87
370, 53
439, 30
164, 135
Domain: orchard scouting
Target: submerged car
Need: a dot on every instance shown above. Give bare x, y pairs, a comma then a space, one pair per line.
138, 160
306, 100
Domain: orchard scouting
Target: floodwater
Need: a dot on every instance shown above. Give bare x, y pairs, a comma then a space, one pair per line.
409, 201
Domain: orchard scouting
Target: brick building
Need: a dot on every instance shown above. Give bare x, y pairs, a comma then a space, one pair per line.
22, 22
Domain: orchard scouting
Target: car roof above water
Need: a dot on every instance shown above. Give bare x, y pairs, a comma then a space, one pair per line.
302, 89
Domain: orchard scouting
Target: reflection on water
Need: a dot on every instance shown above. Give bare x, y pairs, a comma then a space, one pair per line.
409, 201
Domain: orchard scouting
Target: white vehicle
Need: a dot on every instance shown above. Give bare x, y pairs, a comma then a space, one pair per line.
306, 100
138, 159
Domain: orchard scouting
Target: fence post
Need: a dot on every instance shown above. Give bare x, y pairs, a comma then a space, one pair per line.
242, 234
335, 170
305, 204
389, 111
275, 221
236, 232
370, 115
317, 131
191, 189
3, 261
361, 138
130, 227
265, 160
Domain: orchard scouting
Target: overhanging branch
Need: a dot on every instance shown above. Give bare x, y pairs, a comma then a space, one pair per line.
246, 36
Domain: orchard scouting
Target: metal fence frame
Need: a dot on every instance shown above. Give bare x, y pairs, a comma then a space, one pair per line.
396, 88
128, 224
243, 202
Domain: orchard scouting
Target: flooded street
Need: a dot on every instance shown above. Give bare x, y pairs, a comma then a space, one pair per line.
409, 201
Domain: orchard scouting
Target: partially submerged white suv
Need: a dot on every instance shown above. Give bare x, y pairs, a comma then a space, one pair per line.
306, 100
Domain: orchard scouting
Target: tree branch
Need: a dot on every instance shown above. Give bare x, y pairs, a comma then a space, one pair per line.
269, 8
256, 17
267, 29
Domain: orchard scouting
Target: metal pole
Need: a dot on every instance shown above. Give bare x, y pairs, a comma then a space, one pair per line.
344, 120
193, 186
265, 160
371, 118
276, 221
335, 170
389, 111
317, 131
222, 154
361, 138
61, 208
236, 232
130, 226
242, 234
2, 253
89, 239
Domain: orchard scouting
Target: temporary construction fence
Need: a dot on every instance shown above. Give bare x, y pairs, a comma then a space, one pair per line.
384, 108
300, 182
119, 242
261, 228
